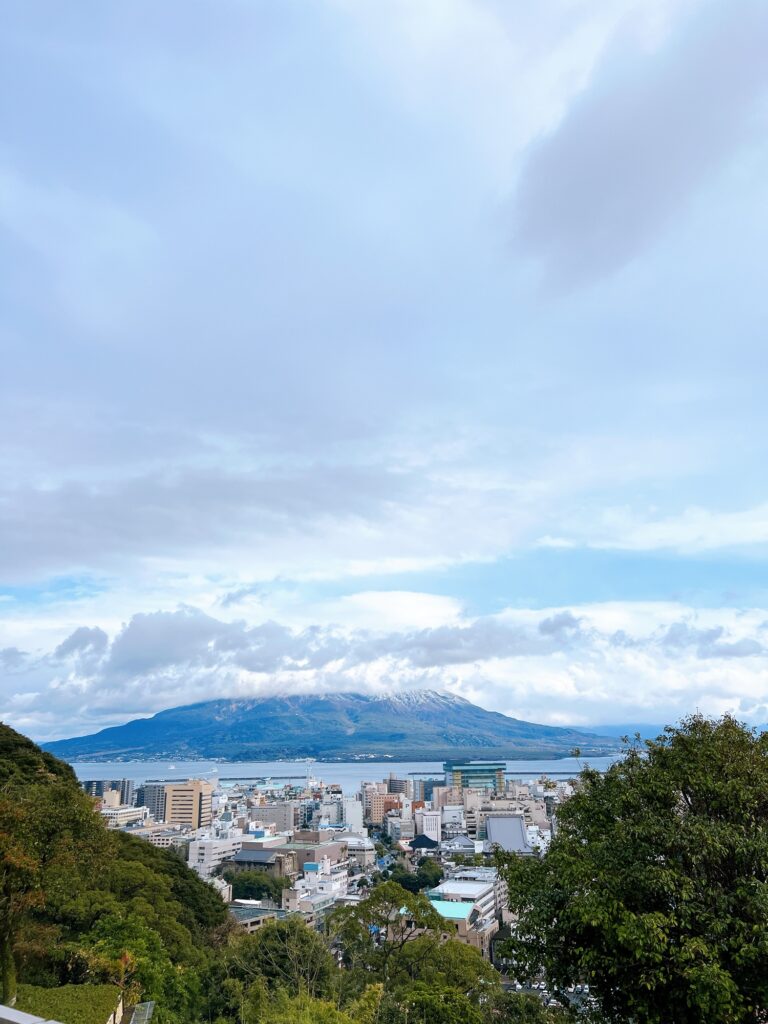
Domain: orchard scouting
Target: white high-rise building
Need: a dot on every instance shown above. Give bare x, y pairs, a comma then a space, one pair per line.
353, 814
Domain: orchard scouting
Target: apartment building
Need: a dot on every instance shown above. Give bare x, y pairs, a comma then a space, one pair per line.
381, 803
284, 815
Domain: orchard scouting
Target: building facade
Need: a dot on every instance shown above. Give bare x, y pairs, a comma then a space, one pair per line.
189, 803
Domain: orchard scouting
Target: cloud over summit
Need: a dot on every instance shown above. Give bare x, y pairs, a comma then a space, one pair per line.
161, 659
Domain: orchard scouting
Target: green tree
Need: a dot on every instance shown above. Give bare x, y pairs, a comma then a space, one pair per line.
655, 887
287, 954
303, 1009
449, 964
429, 1004
527, 1008
256, 885
50, 842
374, 933
429, 873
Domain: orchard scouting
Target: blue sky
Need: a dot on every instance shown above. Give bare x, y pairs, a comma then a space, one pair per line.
363, 346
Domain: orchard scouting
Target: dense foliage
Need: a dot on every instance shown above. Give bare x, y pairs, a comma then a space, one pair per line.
256, 885
427, 875
75, 1004
81, 904
655, 888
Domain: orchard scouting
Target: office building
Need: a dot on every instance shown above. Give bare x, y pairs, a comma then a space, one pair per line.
463, 775
152, 796
189, 803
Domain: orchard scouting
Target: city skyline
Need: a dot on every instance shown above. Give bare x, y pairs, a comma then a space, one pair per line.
353, 350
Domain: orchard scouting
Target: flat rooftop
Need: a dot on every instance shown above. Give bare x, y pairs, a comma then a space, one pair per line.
451, 910
460, 887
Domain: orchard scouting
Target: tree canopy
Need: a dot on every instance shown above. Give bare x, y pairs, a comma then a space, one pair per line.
82, 904
655, 887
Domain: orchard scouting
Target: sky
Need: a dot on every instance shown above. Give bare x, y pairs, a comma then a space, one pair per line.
363, 345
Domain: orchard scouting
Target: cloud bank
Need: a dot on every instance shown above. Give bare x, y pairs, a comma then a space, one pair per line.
558, 665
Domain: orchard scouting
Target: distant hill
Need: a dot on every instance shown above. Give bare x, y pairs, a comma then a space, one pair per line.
419, 725
647, 732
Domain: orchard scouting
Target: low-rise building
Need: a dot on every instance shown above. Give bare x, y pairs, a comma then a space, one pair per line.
361, 850
251, 915
206, 854
120, 816
277, 862
479, 894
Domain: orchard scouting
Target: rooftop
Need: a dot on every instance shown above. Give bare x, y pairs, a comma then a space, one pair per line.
460, 887
252, 913
452, 910
255, 857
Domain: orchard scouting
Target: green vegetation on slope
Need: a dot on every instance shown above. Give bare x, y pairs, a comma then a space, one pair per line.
70, 1004
80, 904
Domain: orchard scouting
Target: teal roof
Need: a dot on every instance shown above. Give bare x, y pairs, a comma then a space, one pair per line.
452, 910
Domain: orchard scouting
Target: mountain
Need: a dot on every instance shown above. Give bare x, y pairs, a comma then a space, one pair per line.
647, 732
422, 724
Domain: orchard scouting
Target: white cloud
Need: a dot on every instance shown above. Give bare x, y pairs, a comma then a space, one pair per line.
584, 665
693, 530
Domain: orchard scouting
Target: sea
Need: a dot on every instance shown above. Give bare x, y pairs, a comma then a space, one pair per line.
348, 774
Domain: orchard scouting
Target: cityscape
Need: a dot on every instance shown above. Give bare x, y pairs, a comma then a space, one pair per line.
383, 512
320, 849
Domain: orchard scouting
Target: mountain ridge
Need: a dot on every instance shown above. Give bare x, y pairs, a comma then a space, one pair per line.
416, 724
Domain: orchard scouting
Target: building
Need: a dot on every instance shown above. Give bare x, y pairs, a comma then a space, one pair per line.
353, 813
152, 796
429, 823
250, 915
318, 890
312, 845
471, 905
123, 787
509, 833
402, 786
119, 817
205, 855
361, 850
189, 803
465, 923
482, 893
399, 829
277, 862
381, 803
453, 822
283, 815
489, 876
475, 775
330, 812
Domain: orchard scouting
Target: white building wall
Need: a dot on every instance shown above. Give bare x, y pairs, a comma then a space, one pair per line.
353, 814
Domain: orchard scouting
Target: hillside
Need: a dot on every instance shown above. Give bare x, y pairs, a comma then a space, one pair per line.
86, 908
418, 725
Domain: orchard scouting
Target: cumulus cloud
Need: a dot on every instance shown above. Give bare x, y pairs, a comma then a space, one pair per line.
84, 639
565, 664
